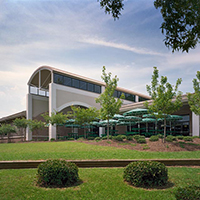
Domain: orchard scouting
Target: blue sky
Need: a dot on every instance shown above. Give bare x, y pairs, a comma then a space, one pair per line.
77, 36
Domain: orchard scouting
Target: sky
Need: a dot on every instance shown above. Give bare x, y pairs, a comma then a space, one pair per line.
77, 36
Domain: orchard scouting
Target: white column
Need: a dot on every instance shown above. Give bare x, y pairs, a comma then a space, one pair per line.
52, 108
28, 115
195, 125
136, 98
101, 131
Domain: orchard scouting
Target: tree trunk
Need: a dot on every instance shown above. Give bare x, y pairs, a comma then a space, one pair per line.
108, 130
8, 137
164, 130
24, 129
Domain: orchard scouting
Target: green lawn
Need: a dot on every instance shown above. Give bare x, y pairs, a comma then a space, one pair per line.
97, 183
81, 151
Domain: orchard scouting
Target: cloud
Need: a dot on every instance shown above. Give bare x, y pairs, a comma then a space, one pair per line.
121, 46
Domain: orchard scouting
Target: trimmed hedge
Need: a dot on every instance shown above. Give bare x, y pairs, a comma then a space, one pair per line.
188, 138
57, 173
146, 173
154, 138
191, 192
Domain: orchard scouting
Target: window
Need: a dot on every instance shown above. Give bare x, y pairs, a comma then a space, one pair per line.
58, 79
142, 99
75, 83
83, 85
97, 89
67, 81
90, 87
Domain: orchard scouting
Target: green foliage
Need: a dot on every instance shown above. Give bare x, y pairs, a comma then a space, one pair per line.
181, 23
97, 139
194, 99
71, 139
35, 124
166, 99
179, 137
7, 129
141, 140
52, 139
171, 138
160, 136
188, 138
104, 138
119, 137
21, 123
109, 104
129, 137
57, 118
57, 173
154, 138
91, 138
112, 6
146, 173
136, 137
191, 192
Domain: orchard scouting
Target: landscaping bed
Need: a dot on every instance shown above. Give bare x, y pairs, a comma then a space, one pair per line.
157, 146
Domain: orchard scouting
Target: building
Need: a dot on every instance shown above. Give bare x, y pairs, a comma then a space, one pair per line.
53, 90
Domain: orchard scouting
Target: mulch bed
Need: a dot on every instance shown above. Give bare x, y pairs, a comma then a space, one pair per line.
158, 146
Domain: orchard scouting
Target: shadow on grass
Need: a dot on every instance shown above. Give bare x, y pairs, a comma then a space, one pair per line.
163, 187
79, 182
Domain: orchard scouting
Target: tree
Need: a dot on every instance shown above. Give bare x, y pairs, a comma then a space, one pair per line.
7, 129
194, 99
112, 6
84, 116
181, 24
57, 118
166, 99
35, 125
109, 104
181, 18
21, 124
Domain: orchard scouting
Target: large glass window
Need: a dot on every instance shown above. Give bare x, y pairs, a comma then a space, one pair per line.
73, 82
128, 96
142, 99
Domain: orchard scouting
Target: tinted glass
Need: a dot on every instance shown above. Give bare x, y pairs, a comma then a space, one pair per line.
75, 83
83, 85
58, 79
90, 87
67, 81
97, 89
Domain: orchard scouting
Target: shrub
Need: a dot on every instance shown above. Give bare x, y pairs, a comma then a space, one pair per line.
81, 138
104, 138
191, 192
97, 138
141, 140
90, 138
123, 136
119, 138
188, 138
129, 137
70, 138
52, 139
170, 138
57, 173
146, 173
179, 137
154, 138
136, 137
195, 137
160, 136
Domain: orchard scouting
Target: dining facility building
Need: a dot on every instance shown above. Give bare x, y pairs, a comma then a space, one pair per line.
54, 90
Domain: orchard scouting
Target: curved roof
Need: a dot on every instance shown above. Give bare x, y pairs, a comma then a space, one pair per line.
46, 73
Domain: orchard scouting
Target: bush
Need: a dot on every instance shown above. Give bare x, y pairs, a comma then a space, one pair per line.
104, 138
97, 138
154, 138
146, 173
195, 137
90, 138
57, 173
160, 136
52, 139
129, 137
188, 138
141, 140
70, 138
119, 138
170, 138
179, 137
191, 192
136, 137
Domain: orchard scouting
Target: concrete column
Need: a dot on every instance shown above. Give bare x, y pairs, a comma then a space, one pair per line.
28, 115
101, 131
136, 98
195, 125
52, 109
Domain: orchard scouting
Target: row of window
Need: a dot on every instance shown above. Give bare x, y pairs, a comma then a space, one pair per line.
129, 97
76, 83
37, 91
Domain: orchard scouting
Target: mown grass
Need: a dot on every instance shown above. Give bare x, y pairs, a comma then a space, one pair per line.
97, 183
81, 151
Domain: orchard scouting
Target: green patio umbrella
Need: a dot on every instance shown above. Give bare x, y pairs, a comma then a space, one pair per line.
136, 112
148, 120
118, 116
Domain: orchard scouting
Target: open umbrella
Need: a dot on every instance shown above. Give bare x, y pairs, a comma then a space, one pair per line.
148, 120
118, 116
136, 112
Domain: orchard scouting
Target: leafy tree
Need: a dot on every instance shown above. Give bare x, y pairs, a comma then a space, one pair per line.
166, 99
84, 116
57, 118
181, 23
112, 6
109, 104
21, 123
7, 129
35, 125
181, 18
194, 99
